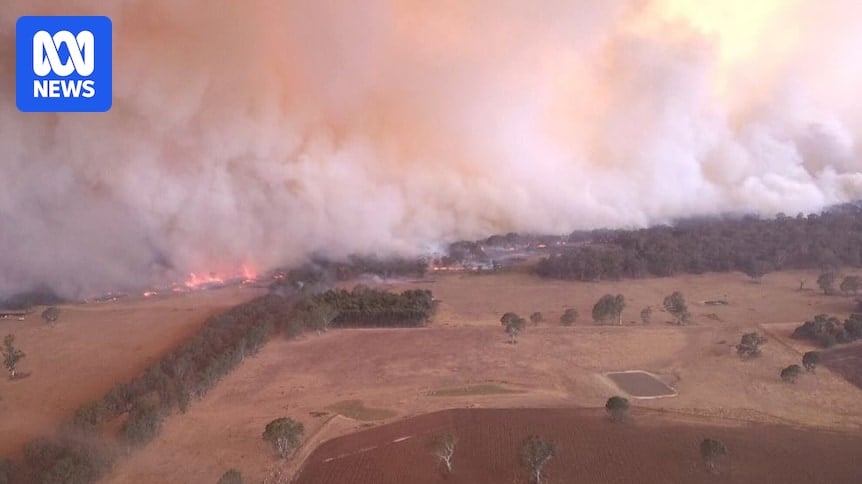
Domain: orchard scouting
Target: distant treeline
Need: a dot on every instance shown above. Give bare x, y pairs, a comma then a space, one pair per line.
751, 245
80, 455
323, 271
38, 296
365, 307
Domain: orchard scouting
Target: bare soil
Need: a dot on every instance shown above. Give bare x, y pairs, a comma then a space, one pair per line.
649, 448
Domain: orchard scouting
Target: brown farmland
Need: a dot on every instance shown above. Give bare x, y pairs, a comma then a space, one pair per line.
651, 448
392, 374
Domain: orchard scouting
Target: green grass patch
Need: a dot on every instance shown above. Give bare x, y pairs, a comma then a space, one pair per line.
483, 389
357, 410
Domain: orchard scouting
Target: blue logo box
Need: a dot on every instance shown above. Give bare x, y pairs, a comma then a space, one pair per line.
63, 64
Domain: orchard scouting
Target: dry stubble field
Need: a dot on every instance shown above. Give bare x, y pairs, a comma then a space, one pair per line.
91, 348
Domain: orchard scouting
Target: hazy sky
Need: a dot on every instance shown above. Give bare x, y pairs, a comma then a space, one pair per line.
258, 132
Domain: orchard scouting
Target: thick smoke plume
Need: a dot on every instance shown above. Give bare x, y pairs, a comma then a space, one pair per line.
260, 132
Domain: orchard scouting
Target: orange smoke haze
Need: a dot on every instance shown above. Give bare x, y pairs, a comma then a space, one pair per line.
261, 132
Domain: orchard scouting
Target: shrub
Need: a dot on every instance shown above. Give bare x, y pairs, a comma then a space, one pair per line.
569, 317
749, 345
231, 476
810, 360
791, 373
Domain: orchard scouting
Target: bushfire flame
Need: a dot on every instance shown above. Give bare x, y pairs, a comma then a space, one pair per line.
245, 274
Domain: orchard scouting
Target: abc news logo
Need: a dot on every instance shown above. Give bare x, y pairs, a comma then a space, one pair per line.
64, 64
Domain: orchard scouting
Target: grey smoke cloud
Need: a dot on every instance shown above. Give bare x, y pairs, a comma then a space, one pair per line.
261, 132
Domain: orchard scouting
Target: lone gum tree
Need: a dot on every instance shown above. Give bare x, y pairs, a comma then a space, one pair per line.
675, 305
609, 308
284, 435
443, 447
712, 451
535, 453
513, 324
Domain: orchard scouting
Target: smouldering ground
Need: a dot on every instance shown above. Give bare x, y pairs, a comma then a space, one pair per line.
552, 365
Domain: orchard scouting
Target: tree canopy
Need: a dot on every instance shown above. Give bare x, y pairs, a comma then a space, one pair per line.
748, 244
617, 408
513, 325
284, 434
749, 345
676, 306
609, 308
569, 317
535, 453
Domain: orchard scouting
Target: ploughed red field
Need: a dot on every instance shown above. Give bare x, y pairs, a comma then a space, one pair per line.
652, 447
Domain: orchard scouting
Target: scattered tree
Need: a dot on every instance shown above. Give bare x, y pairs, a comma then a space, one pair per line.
711, 451
535, 453
609, 308
646, 315
829, 330
569, 317
617, 408
756, 269
513, 324
749, 345
810, 360
675, 305
319, 316
851, 284
11, 355
443, 448
51, 314
231, 476
826, 281
283, 434
791, 373
536, 318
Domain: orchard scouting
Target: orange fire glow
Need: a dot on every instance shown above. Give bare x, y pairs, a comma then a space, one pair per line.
245, 274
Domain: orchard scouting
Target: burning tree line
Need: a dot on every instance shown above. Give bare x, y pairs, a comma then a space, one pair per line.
80, 453
749, 244
322, 272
